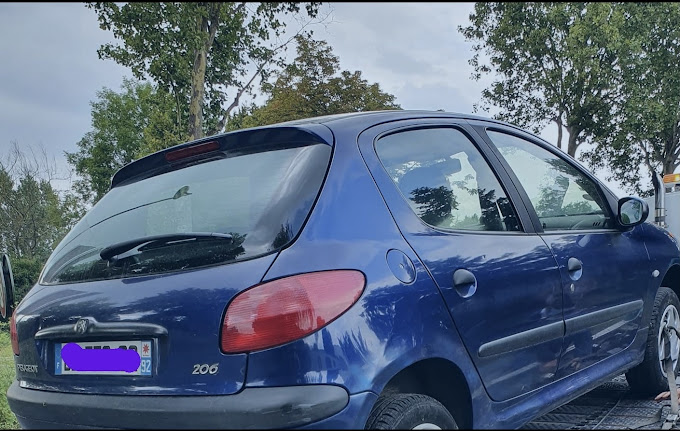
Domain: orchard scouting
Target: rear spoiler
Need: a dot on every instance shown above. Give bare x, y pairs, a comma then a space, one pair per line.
242, 140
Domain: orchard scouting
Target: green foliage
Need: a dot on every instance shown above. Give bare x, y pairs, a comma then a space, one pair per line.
7, 375
196, 51
26, 271
125, 126
34, 216
646, 131
607, 72
555, 62
310, 86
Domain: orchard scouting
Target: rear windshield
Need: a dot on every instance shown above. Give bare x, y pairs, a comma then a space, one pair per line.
255, 204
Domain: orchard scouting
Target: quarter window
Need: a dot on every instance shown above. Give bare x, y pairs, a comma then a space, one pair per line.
563, 197
445, 180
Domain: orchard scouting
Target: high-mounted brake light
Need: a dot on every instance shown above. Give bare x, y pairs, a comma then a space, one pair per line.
13, 334
288, 309
671, 178
193, 150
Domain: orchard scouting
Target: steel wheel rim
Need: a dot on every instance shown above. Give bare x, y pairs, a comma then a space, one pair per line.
426, 426
670, 315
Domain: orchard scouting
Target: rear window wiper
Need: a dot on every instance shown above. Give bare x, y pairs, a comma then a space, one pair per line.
113, 250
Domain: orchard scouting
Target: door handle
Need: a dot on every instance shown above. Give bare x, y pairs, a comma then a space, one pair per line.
575, 268
464, 282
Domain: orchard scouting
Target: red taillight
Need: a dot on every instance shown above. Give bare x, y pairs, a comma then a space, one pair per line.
287, 309
13, 335
191, 151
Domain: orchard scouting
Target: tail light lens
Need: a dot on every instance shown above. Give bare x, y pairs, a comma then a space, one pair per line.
13, 334
287, 309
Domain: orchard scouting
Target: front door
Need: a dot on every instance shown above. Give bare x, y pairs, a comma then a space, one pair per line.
605, 271
498, 278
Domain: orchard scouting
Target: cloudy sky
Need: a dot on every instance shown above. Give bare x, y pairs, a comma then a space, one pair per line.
50, 70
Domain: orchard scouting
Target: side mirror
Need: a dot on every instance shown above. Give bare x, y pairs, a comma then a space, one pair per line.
6, 288
632, 211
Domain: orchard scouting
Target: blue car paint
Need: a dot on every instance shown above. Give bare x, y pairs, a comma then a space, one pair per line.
188, 304
598, 285
514, 271
601, 286
356, 221
662, 255
391, 327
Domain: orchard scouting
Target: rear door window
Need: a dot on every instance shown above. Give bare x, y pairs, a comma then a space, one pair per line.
446, 181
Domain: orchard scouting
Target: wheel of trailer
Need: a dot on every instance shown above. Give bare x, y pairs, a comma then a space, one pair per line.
649, 378
409, 411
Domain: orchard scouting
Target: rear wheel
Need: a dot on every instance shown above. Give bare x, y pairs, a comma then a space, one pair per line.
409, 411
649, 378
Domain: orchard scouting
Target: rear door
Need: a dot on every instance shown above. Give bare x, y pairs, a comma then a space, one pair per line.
605, 271
499, 279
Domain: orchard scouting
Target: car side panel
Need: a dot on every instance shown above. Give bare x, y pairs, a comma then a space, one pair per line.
603, 304
602, 309
663, 252
392, 326
350, 361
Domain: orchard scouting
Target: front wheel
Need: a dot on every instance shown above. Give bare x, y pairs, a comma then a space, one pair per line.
409, 411
649, 378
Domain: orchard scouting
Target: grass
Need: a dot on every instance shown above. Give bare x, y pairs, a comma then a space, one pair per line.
7, 419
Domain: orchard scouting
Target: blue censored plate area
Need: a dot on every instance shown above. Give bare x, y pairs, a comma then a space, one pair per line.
101, 362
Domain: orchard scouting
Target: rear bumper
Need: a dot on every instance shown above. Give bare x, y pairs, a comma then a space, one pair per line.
282, 407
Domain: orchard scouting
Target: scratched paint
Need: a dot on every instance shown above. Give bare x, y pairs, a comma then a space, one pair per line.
79, 359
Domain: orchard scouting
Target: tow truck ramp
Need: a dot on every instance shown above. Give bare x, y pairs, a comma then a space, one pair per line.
610, 406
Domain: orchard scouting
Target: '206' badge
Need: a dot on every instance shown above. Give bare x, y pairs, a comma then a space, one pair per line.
206, 369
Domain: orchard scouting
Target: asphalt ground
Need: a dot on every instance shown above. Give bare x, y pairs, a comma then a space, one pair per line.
610, 406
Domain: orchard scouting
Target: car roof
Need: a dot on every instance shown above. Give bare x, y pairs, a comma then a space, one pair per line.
362, 120
378, 117
356, 121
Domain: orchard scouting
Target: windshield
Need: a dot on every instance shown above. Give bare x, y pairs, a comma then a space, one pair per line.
260, 200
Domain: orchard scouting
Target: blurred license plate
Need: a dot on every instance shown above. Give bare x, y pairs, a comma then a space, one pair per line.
143, 347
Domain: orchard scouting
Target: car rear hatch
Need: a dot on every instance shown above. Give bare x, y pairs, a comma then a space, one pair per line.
154, 264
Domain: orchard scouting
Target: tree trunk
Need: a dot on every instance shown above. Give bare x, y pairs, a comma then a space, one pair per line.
559, 131
197, 93
572, 142
208, 25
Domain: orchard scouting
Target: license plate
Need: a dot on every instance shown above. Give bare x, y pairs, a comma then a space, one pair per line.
142, 347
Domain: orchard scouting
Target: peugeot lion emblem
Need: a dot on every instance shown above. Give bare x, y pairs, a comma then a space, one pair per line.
81, 326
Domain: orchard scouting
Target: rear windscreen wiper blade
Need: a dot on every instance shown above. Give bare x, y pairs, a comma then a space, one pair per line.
121, 247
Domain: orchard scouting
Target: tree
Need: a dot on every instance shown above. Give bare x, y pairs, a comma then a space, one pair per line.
34, 216
313, 85
196, 51
646, 130
555, 62
138, 120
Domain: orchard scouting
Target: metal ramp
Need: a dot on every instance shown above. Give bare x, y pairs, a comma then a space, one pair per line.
610, 406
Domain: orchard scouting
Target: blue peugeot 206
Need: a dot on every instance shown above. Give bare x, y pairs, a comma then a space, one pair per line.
397, 269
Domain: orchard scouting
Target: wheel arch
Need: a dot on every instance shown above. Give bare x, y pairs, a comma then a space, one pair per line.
440, 379
672, 279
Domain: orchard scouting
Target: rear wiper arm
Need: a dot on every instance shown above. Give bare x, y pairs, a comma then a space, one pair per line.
121, 247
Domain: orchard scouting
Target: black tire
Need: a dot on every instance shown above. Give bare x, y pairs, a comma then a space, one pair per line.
405, 411
647, 378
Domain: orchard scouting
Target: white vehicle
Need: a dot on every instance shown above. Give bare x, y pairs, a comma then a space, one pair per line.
665, 204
